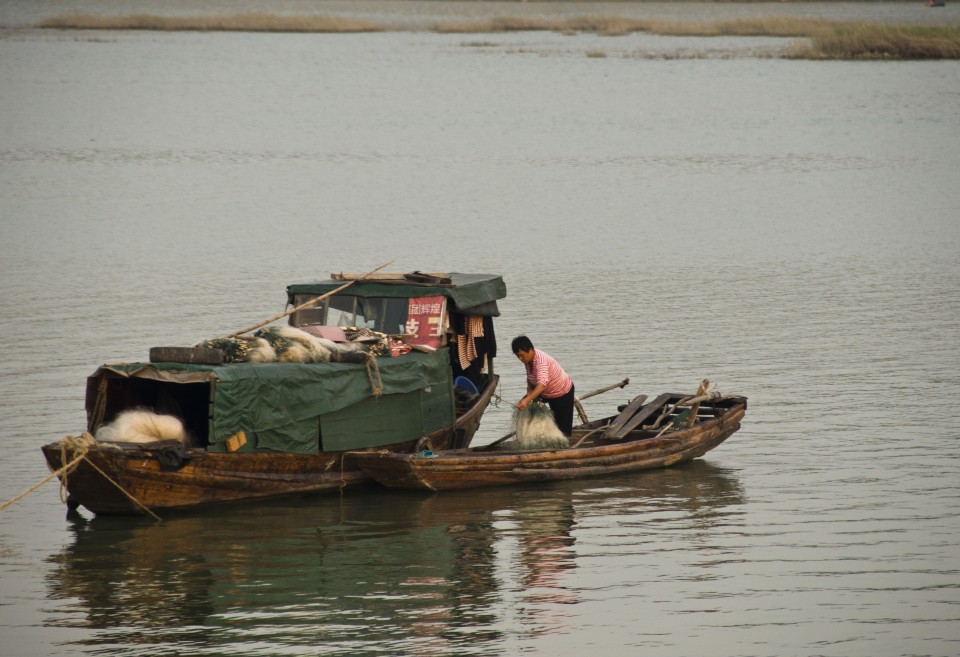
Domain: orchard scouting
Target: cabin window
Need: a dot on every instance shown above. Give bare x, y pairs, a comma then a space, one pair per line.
423, 318
387, 315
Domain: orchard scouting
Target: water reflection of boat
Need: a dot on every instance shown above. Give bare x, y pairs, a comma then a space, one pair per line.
684, 429
378, 567
252, 429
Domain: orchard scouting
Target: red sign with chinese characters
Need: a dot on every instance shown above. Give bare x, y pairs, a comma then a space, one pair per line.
425, 320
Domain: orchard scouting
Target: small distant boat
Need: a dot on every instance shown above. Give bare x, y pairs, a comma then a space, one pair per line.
935, 3
670, 429
252, 428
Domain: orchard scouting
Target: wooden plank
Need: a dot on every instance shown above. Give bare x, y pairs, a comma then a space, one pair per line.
339, 276
200, 355
638, 418
626, 413
385, 277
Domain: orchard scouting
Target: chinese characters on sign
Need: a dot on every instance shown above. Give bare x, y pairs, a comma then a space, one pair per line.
425, 320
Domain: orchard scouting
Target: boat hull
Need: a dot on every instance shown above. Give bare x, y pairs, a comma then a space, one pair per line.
207, 478
459, 469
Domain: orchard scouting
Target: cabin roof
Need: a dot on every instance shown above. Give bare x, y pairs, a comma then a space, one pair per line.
465, 290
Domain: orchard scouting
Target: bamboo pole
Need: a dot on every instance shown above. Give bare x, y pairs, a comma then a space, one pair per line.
495, 442
582, 413
622, 384
576, 400
695, 406
310, 302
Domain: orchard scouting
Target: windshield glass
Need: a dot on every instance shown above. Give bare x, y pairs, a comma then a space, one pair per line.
421, 320
377, 313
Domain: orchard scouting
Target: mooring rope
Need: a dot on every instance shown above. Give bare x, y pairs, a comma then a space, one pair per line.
62, 471
372, 368
80, 447
121, 489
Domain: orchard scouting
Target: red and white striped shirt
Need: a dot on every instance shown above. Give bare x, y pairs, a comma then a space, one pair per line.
546, 370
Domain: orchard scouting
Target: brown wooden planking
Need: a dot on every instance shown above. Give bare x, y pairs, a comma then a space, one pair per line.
473, 469
627, 413
617, 433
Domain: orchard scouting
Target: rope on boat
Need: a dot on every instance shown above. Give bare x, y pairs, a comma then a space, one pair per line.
311, 302
80, 447
372, 368
121, 489
62, 471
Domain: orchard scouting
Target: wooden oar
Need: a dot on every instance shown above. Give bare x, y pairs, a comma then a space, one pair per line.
586, 396
496, 442
311, 302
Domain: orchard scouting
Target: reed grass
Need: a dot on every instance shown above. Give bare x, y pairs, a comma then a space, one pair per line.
616, 26
872, 41
227, 23
820, 39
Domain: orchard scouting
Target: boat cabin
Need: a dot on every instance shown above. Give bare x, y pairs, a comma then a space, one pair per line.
426, 343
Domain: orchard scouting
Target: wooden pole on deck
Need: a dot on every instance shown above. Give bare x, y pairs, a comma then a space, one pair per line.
311, 302
576, 400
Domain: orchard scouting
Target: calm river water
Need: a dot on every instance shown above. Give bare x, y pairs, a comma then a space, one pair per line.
788, 229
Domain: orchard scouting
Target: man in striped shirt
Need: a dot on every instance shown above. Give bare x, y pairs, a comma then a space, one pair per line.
547, 380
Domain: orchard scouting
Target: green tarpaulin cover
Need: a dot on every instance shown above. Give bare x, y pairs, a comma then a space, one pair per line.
465, 290
282, 405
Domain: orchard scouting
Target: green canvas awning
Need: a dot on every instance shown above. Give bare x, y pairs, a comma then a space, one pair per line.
464, 290
281, 404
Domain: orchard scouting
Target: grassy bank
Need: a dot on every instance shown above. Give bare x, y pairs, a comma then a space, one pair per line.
869, 41
817, 39
229, 23
613, 26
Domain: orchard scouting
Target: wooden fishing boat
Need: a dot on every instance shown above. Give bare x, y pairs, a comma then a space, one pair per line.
670, 429
262, 429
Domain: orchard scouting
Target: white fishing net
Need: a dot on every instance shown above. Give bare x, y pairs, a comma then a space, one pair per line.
536, 429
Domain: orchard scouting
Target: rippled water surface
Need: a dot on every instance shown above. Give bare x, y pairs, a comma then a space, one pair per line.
787, 229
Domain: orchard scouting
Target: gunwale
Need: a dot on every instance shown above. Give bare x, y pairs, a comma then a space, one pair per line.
476, 467
210, 478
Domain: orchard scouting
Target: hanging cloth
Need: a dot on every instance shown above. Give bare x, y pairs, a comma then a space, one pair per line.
466, 347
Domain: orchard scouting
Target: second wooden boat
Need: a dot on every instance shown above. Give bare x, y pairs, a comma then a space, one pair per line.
670, 429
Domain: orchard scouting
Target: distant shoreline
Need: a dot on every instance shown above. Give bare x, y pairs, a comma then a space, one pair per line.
816, 38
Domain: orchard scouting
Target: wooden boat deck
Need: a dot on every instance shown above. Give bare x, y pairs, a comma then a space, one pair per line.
594, 453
